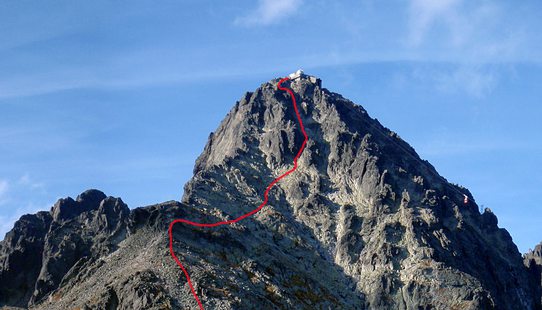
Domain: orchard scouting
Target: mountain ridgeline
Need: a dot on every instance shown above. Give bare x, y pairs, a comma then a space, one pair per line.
363, 223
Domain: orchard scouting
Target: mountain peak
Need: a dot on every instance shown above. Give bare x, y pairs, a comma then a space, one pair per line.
361, 196
363, 223
299, 77
68, 208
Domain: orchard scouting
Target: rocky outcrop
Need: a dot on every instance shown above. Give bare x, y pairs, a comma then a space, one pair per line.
533, 261
44, 249
20, 258
363, 223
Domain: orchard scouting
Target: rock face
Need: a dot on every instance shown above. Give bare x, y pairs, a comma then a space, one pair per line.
49, 247
363, 223
533, 261
21, 258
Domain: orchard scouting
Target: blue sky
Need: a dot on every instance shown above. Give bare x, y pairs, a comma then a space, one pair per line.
121, 95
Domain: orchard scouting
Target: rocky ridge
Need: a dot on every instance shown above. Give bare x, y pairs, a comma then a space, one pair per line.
363, 223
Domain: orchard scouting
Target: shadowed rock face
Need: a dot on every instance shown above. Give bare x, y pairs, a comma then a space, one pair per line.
363, 223
42, 249
533, 261
20, 258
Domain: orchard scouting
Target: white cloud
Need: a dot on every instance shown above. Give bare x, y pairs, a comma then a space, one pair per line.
424, 14
19, 188
428, 31
4, 187
469, 31
471, 80
270, 11
29, 182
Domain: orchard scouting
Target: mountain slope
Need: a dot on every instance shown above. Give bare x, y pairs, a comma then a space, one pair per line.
362, 223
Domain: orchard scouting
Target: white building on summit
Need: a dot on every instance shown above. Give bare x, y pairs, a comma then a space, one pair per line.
300, 74
296, 74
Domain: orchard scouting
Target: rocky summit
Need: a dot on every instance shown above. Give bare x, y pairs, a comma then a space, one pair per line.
363, 223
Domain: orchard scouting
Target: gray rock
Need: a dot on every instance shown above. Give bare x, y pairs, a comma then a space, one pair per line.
66, 209
533, 261
364, 198
21, 257
363, 223
43, 249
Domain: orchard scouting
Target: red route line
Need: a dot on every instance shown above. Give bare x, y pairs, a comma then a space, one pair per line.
265, 195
